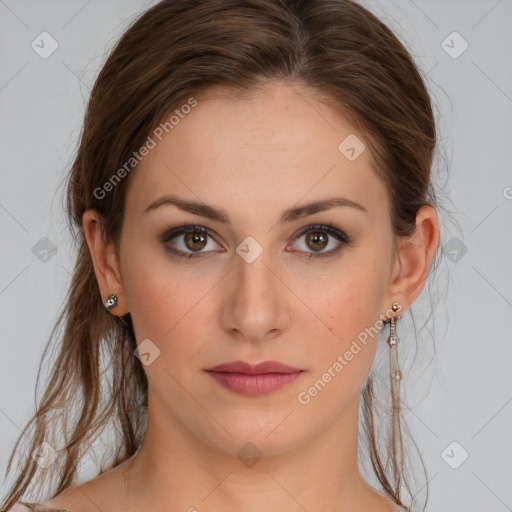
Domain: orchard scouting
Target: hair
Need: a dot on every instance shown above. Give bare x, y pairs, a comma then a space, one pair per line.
169, 54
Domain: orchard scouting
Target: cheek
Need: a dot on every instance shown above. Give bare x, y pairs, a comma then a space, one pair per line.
343, 360
354, 297
350, 308
167, 306
157, 299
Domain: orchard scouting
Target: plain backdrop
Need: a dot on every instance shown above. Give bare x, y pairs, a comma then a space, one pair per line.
460, 409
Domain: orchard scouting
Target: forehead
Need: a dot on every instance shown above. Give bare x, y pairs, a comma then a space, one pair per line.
249, 152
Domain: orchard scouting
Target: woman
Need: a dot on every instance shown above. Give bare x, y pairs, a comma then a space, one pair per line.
253, 202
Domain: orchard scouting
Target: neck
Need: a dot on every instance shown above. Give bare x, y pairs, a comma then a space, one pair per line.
174, 470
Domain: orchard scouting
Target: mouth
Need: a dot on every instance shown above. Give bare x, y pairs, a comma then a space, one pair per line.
259, 379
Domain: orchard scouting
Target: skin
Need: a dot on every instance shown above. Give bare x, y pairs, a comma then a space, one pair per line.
253, 157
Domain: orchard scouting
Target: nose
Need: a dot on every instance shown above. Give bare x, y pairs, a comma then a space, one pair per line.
255, 306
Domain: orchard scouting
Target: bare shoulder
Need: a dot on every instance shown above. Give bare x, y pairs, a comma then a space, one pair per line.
31, 506
100, 493
73, 499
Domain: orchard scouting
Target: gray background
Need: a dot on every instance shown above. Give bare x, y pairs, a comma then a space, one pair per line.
464, 395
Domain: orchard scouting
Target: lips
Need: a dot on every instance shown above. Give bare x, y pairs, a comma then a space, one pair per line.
259, 379
264, 367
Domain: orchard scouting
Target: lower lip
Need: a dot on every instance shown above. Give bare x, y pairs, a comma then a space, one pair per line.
255, 384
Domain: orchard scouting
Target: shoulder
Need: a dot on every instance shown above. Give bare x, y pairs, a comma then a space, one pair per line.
101, 493
28, 506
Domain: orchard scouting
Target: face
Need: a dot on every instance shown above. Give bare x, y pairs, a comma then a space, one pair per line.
301, 290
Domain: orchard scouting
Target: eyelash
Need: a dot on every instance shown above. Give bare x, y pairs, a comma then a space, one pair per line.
188, 228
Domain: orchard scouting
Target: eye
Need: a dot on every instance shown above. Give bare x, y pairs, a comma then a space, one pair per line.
193, 239
318, 237
190, 237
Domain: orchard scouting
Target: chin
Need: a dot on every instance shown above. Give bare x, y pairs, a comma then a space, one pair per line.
257, 435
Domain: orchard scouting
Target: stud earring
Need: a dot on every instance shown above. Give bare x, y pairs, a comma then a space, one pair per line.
111, 302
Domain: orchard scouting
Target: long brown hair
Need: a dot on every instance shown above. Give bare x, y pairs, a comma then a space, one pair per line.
170, 54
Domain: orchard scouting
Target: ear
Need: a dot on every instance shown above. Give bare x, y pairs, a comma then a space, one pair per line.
104, 261
414, 256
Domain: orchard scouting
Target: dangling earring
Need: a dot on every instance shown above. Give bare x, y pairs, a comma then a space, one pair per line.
111, 302
396, 377
396, 374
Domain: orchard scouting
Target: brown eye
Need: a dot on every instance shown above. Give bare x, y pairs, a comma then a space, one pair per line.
186, 240
195, 241
317, 240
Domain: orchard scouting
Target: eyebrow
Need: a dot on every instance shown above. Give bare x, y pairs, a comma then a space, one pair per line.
289, 215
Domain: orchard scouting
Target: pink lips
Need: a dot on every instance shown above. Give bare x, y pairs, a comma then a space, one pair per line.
259, 379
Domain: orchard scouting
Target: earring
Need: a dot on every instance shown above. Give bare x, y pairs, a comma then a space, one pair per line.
395, 377
111, 302
396, 374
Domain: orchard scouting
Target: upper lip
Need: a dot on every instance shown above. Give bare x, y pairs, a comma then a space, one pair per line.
244, 367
